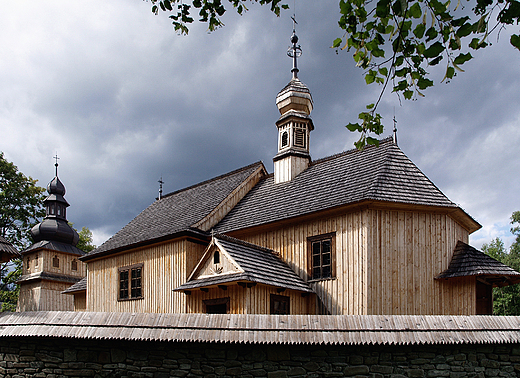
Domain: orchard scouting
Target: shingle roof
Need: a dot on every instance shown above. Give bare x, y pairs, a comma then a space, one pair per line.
55, 246
77, 287
260, 265
7, 248
177, 211
381, 173
265, 329
468, 261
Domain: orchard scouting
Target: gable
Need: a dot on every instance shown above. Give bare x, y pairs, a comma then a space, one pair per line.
242, 262
209, 267
179, 212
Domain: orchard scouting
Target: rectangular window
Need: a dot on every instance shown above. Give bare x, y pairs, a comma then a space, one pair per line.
130, 282
280, 305
321, 256
216, 306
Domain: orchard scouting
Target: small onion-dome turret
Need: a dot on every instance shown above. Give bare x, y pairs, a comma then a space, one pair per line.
55, 226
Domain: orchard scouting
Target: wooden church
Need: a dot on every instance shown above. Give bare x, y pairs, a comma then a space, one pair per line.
360, 232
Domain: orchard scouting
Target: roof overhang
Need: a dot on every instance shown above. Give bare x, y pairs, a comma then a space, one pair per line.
195, 235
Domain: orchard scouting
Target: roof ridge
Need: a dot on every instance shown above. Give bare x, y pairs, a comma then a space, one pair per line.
378, 172
352, 150
214, 179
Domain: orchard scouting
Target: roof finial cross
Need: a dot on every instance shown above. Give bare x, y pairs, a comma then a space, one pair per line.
161, 182
295, 50
395, 130
56, 164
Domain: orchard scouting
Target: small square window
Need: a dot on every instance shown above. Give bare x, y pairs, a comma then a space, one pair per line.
280, 305
130, 282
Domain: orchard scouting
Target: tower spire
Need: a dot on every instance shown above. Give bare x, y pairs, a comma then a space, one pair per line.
294, 51
395, 130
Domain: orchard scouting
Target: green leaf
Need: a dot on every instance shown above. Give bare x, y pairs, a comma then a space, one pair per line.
167, 4
423, 83
465, 30
383, 71
370, 106
354, 127
434, 50
515, 41
337, 42
419, 30
431, 33
415, 10
370, 77
373, 141
450, 72
408, 94
462, 58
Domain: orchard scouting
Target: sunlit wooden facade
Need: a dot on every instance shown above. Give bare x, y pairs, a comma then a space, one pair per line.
357, 233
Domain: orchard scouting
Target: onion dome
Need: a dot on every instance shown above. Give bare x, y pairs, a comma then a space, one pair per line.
54, 226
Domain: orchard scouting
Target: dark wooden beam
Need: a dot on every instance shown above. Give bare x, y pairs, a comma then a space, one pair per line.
223, 287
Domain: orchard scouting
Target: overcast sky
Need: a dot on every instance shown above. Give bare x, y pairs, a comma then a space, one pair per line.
123, 100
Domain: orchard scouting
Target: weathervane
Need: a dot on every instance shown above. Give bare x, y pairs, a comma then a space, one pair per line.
56, 164
295, 50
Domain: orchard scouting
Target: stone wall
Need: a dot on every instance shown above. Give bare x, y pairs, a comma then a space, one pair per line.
60, 358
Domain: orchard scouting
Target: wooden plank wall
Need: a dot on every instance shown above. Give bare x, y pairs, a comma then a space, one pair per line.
45, 296
42, 261
346, 294
406, 251
80, 302
386, 261
165, 267
254, 300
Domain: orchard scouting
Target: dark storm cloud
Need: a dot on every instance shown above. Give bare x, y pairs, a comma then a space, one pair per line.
123, 100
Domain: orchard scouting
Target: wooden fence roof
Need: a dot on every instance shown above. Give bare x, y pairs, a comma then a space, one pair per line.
265, 329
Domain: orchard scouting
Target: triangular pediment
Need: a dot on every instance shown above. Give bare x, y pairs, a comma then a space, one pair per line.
215, 262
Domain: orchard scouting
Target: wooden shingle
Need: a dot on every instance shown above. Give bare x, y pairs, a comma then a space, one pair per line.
468, 261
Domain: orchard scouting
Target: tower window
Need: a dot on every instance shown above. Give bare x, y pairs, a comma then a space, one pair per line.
322, 256
36, 260
285, 139
130, 282
299, 137
74, 264
56, 262
28, 263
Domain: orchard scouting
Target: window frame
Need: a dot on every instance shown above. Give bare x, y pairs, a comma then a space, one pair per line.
310, 262
216, 301
279, 298
129, 269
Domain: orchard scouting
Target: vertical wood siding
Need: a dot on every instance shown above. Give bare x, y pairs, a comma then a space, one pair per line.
254, 300
165, 267
45, 296
386, 262
405, 252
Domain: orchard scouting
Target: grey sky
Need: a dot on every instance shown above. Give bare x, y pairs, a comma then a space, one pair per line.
123, 100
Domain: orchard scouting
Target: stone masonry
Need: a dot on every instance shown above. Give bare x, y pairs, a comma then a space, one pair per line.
64, 358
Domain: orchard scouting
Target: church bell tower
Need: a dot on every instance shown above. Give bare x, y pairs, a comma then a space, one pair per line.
294, 125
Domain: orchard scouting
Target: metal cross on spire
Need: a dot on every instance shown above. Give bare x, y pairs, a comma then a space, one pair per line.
56, 164
395, 130
160, 187
295, 50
